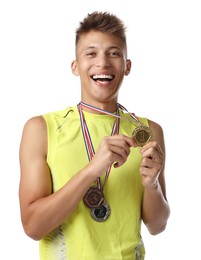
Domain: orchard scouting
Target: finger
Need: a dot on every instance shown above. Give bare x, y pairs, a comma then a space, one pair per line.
125, 140
153, 153
147, 163
119, 155
153, 156
122, 151
117, 144
154, 145
119, 161
115, 154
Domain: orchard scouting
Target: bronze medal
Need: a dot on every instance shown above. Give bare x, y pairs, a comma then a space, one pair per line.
101, 213
93, 198
142, 135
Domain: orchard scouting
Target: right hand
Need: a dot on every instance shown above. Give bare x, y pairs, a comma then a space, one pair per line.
112, 150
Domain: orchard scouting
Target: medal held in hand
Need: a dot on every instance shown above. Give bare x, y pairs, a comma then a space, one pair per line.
93, 198
142, 135
101, 213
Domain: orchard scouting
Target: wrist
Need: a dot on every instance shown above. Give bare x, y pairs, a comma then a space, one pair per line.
154, 187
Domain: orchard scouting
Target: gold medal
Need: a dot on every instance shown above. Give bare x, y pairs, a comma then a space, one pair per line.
142, 135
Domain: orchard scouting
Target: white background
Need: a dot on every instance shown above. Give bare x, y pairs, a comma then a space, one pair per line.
164, 44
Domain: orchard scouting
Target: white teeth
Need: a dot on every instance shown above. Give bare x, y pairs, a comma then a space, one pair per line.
102, 77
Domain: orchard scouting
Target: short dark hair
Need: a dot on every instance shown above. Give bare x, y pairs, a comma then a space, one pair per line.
103, 22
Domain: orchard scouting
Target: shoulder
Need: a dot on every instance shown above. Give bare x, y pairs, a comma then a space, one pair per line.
34, 132
36, 123
34, 138
155, 127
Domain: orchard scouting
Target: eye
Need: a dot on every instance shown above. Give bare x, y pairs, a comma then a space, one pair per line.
114, 53
90, 54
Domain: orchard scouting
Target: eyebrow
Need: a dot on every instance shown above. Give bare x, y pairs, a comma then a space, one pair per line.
110, 47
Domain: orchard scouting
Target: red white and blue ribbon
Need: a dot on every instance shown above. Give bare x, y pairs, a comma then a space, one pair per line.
87, 137
132, 115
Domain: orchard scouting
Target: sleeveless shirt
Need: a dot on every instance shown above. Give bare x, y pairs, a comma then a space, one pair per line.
80, 237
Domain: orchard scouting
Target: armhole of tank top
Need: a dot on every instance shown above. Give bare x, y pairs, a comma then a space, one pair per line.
48, 139
144, 120
47, 117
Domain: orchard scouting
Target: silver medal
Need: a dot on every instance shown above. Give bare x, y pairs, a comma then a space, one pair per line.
101, 213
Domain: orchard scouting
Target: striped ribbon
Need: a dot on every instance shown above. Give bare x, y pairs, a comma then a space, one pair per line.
132, 115
87, 137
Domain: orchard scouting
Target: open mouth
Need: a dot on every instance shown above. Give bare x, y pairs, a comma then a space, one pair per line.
102, 77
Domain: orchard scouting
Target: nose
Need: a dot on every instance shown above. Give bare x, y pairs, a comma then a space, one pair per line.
103, 61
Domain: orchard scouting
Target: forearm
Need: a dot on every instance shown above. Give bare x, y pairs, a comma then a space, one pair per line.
155, 209
47, 213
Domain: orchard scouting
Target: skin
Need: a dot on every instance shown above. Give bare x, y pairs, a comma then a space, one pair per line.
41, 210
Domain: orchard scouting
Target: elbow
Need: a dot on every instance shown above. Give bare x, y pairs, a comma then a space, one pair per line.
157, 230
33, 235
31, 231
159, 226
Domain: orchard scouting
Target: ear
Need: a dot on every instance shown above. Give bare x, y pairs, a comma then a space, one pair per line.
128, 67
74, 68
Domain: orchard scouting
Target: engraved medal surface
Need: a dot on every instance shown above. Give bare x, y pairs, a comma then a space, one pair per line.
101, 213
142, 135
93, 198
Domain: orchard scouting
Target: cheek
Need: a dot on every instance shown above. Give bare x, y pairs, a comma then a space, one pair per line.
84, 69
122, 67
122, 72
86, 64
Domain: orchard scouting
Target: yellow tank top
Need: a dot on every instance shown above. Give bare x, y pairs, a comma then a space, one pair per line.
80, 237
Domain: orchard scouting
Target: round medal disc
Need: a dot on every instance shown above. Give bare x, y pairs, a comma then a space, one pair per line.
142, 134
101, 213
93, 198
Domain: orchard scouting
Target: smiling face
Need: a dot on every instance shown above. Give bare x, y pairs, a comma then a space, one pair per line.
101, 64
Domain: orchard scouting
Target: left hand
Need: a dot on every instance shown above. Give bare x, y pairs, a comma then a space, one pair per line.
151, 165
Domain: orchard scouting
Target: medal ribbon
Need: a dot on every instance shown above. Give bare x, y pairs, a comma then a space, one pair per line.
87, 137
132, 115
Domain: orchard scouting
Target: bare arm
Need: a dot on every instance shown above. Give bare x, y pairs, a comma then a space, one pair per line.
42, 210
155, 208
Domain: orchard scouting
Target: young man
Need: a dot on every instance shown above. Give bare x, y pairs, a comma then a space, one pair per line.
92, 172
